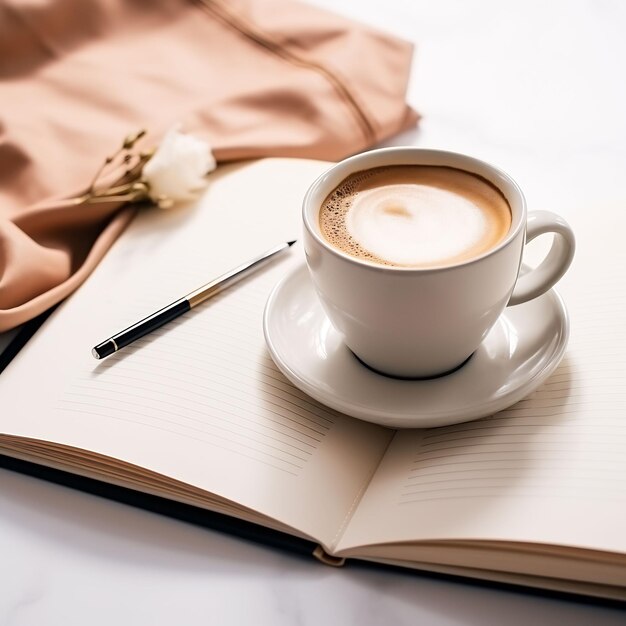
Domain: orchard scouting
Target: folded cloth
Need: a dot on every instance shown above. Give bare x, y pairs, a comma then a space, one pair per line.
254, 78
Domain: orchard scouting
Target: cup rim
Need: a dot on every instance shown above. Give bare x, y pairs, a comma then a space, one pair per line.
514, 231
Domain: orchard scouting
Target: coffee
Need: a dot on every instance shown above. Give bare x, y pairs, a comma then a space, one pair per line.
415, 216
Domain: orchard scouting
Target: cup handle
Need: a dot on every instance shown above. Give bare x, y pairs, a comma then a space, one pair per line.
558, 259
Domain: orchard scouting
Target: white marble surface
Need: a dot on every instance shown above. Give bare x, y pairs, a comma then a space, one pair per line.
536, 87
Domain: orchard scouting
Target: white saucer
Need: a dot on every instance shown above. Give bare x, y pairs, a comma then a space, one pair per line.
519, 353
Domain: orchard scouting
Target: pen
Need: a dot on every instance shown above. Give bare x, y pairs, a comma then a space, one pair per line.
182, 305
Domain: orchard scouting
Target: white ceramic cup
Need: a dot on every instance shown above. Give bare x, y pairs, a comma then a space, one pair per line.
417, 323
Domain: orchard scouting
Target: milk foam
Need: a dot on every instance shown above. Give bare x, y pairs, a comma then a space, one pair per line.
413, 224
414, 216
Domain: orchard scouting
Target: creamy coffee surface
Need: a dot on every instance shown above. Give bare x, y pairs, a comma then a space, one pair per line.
415, 216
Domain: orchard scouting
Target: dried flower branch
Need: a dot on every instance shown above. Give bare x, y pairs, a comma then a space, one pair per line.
165, 175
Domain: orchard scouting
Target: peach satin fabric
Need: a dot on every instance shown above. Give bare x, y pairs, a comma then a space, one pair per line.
253, 77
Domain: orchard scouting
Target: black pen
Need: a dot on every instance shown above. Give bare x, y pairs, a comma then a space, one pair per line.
188, 302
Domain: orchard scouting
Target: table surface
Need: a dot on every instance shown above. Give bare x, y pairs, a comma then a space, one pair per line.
535, 87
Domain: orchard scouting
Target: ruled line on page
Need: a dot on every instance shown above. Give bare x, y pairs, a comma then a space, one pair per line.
278, 386
212, 402
272, 377
231, 426
303, 438
214, 391
504, 465
209, 442
173, 418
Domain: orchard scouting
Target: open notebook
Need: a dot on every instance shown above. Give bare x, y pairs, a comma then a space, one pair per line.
197, 412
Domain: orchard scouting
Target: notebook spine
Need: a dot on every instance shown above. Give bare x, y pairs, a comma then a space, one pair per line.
328, 559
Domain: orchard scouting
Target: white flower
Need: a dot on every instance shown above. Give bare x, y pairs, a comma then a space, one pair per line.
177, 168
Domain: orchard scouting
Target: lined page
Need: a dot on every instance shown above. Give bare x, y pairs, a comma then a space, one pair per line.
549, 470
165, 386
199, 400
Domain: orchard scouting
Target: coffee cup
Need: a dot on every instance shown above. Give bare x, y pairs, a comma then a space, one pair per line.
412, 302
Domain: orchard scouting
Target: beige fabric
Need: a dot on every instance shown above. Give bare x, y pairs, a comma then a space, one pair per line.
253, 77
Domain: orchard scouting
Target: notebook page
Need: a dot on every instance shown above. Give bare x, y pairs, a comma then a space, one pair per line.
200, 399
551, 469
